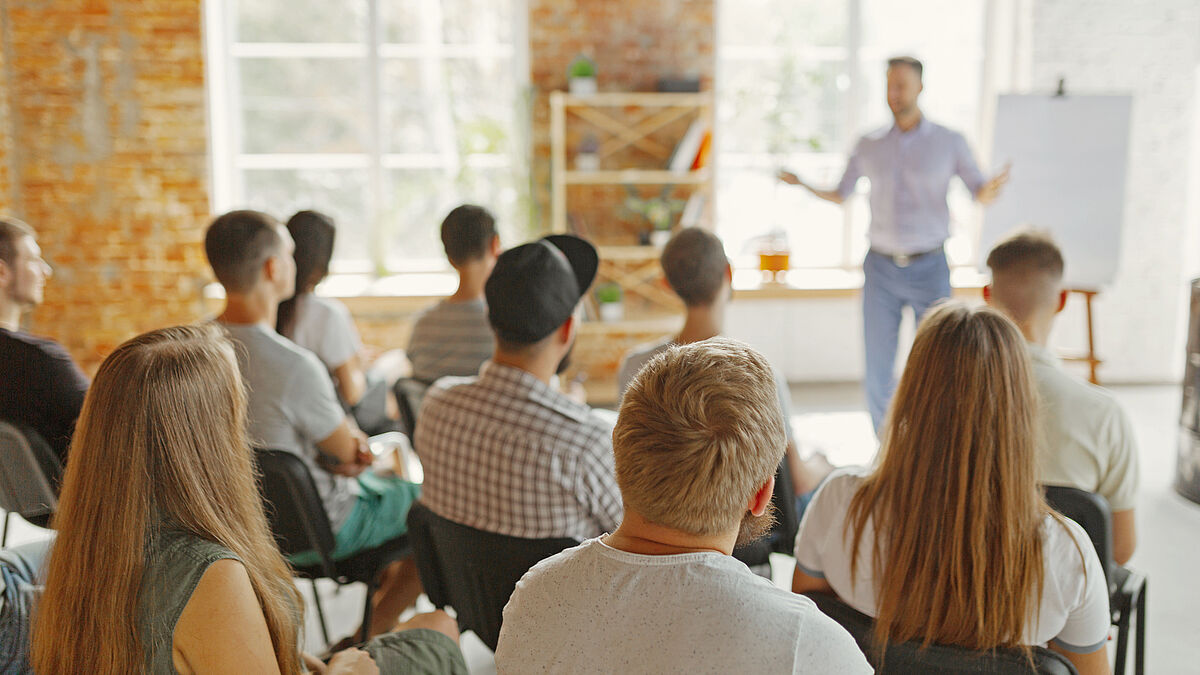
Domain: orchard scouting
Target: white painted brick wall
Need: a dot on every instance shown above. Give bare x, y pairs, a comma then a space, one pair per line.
1152, 49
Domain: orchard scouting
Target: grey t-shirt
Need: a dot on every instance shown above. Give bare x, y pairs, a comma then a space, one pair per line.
641, 355
451, 338
292, 407
597, 609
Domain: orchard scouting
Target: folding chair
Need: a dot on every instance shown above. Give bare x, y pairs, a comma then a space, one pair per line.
299, 523
1126, 586
912, 657
473, 571
28, 473
409, 393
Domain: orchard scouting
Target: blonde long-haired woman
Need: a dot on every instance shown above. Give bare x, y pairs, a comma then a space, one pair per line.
164, 562
948, 539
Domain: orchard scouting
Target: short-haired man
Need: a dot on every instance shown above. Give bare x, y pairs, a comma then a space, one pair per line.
453, 337
699, 436
293, 407
506, 451
42, 387
1087, 439
697, 269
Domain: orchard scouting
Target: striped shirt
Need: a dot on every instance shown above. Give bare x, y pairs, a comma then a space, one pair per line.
506, 453
450, 338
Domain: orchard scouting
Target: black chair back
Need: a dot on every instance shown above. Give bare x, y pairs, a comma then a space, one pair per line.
471, 570
911, 657
782, 538
409, 393
294, 508
29, 471
1093, 514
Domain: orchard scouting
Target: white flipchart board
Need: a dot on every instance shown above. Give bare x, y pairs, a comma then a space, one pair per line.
1069, 155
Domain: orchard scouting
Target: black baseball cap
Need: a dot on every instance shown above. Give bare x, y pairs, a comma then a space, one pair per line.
535, 287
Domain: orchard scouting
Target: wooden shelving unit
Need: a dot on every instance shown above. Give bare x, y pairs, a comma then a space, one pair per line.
637, 137
630, 121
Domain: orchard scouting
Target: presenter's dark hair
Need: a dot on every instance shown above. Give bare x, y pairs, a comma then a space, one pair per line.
11, 230
313, 233
237, 244
909, 61
467, 232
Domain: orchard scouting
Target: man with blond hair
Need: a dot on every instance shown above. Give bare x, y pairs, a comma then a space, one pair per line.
697, 442
1087, 440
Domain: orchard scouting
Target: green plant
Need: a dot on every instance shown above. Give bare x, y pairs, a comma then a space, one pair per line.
582, 66
609, 292
659, 211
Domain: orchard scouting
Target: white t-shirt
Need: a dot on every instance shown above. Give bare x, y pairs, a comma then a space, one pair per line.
1088, 440
1073, 612
596, 609
324, 327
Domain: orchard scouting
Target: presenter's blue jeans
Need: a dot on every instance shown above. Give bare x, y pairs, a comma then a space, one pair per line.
887, 289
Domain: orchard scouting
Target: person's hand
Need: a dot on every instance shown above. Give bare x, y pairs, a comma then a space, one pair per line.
991, 189
789, 178
363, 458
352, 662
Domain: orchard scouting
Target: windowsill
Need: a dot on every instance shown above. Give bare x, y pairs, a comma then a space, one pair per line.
747, 283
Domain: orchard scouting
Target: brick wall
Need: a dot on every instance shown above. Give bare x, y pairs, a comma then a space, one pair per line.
1152, 50
107, 117
634, 44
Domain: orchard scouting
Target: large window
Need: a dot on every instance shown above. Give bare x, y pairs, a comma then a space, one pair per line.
798, 81
383, 113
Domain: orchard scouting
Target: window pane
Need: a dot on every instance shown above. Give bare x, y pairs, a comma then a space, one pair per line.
341, 194
412, 104
303, 105
401, 20
417, 201
481, 97
300, 20
477, 21
780, 105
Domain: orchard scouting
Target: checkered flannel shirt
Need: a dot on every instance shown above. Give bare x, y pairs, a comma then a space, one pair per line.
505, 453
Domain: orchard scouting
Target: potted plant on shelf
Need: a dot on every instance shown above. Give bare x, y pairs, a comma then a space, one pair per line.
587, 156
609, 298
659, 211
581, 76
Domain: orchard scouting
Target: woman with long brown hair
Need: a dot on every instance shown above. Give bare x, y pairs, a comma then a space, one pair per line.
164, 562
948, 540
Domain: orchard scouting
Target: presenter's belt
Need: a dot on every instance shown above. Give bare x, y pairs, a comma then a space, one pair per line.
905, 259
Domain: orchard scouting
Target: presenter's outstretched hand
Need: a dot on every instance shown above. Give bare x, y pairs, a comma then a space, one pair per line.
792, 179
789, 178
991, 189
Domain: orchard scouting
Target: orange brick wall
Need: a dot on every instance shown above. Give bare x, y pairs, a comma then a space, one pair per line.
107, 109
634, 44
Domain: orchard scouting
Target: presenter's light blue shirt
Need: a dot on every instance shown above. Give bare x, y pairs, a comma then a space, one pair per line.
910, 173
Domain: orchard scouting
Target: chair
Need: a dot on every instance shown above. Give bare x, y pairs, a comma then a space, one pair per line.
409, 393
29, 471
912, 657
473, 571
1126, 587
782, 538
299, 523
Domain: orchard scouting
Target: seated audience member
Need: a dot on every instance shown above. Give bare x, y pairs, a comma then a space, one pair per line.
948, 539
41, 386
507, 452
695, 266
453, 337
164, 562
293, 406
324, 326
698, 440
1087, 439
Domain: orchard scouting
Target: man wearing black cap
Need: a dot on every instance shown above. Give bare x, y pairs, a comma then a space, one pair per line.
507, 452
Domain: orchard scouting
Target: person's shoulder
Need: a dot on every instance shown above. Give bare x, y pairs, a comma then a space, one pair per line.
642, 353
35, 346
1069, 390
875, 135
323, 306
268, 351
937, 129
561, 565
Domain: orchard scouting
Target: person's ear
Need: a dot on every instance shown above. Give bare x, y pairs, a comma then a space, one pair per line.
494, 247
566, 332
761, 500
987, 294
1062, 301
270, 269
729, 273
6, 274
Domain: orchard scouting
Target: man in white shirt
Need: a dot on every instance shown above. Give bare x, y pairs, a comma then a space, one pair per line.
1087, 439
697, 442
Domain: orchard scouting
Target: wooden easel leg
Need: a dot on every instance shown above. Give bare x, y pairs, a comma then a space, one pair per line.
1091, 355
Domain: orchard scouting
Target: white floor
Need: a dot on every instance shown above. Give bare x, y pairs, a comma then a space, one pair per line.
832, 417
